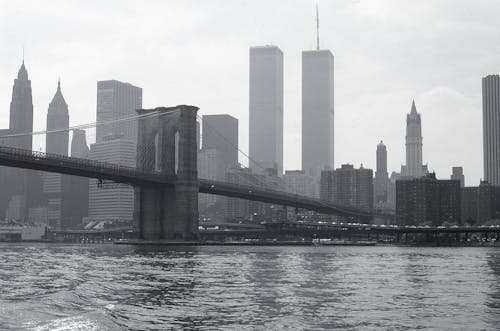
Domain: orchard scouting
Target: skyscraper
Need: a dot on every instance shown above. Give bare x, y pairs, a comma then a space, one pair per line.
56, 143
117, 100
221, 132
381, 181
457, 173
115, 143
57, 118
266, 108
491, 128
112, 201
21, 110
20, 185
79, 147
414, 167
317, 109
75, 202
218, 155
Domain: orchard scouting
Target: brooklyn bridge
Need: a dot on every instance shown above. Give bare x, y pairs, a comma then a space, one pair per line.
165, 178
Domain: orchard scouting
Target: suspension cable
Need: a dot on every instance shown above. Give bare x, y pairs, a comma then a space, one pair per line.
91, 125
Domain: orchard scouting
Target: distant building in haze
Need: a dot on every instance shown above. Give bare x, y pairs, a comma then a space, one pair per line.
317, 111
391, 191
221, 132
23, 187
210, 166
21, 110
381, 180
112, 201
348, 186
198, 134
79, 147
491, 129
266, 109
56, 143
115, 143
239, 209
428, 201
457, 173
76, 198
299, 182
117, 100
219, 153
414, 167
480, 204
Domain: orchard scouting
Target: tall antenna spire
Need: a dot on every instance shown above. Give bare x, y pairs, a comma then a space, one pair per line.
23, 54
317, 28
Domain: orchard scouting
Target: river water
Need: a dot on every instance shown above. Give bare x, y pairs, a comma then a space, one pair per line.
110, 287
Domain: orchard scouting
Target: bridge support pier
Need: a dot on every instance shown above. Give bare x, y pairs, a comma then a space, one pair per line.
167, 144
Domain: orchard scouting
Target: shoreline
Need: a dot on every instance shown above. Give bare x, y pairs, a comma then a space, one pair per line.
178, 243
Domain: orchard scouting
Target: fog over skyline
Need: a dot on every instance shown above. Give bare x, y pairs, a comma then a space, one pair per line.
197, 52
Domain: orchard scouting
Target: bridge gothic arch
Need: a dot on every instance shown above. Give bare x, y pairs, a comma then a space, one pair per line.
167, 144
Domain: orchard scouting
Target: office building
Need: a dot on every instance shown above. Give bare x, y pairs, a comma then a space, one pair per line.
112, 201
57, 119
210, 166
266, 109
56, 143
241, 209
198, 135
414, 167
348, 186
481, 204
219, 153
391, 191
75, 202
491, 129
220, 132
428, 201
299, 182
457, 173
21, 110
19, 188
117, 100
317, 111
381, 180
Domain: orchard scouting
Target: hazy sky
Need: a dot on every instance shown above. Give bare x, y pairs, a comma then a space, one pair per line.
197, 52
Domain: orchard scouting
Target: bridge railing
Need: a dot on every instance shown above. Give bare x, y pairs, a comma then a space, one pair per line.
208, 186
17, 154
10, 156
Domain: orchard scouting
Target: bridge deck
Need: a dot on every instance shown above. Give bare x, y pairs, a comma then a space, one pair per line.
19, 158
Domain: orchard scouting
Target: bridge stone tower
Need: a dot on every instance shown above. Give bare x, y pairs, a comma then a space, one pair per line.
167, 144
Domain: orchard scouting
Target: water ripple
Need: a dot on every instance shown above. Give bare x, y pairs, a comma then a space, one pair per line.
71, 287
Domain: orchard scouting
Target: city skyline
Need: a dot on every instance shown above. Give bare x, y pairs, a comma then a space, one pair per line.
439, 93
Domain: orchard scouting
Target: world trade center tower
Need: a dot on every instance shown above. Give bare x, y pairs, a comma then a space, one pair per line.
266, 109
317, 111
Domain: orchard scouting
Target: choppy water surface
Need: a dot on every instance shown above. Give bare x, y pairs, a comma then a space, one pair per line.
70, 287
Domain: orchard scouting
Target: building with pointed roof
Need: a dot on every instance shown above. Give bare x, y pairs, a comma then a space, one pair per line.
21, 110
57, 118
414, 167
23, 186
56, 143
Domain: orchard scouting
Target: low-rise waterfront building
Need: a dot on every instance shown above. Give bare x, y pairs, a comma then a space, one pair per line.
428, 201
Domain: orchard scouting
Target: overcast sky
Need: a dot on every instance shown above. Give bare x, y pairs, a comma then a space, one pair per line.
197, 52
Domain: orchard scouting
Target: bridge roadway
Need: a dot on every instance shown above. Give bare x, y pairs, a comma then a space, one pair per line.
19, 158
